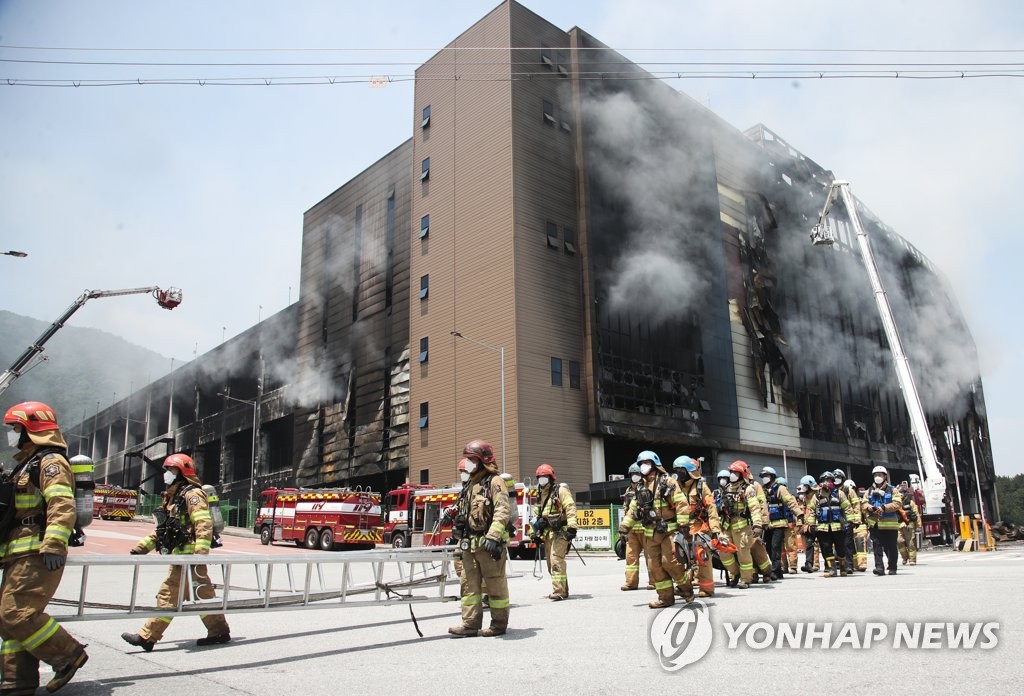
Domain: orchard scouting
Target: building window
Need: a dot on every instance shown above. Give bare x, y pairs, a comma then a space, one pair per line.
562, 62
424, 349
424, 226
574, 374
425, 170
552, 232
424, 414
424, 286
545, 56
424, 477
569, 235
556, 372
425, 123
549, 113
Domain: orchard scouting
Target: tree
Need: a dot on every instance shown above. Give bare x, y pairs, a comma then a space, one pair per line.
1010, 491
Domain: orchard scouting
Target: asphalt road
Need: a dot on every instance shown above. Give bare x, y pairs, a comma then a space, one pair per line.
600, 641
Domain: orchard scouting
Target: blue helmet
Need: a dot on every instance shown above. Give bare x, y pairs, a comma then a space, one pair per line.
769, 471
685, 462
648, 456
782, 481
808, 481
723, 474
634, 468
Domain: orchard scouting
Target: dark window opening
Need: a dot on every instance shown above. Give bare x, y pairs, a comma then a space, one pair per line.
424, 414
424, 226
556, 372
552, 232
574, 374
569, 235
424, 286
424, 476
424, 349
425, 123
545, 56
425, 170
549, 113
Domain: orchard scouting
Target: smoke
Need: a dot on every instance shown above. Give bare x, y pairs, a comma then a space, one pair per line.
648, 166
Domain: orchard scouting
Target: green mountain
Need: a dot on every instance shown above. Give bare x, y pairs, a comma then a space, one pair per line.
82, 367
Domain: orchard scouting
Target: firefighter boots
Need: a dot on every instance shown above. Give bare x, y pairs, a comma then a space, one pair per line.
463, 631
492, 631
214, 640
63, 675
138, 641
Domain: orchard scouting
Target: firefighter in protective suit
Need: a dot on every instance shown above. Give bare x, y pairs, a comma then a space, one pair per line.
758, 552
660, 506
745, 520
33, 551
701, 517
849, 534
830, 514
806, 492
728, 560
883, 506
554, 517
860, 532
464, 467
483, 514
789, 558
187, 529
910, 522
780, 501
635, 538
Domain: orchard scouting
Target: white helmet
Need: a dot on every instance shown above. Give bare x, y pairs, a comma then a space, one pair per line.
880, 470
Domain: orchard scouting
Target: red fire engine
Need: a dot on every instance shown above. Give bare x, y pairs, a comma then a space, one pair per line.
320, 518
414, 516
114, 503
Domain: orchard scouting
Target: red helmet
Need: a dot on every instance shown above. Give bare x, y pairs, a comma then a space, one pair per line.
34, 416
545, 470
480, 450
464, 465
740, 467
182, 462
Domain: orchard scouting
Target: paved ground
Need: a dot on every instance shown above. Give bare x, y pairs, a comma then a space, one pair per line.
598, 642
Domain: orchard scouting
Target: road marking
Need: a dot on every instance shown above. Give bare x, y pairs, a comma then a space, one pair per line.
104, 534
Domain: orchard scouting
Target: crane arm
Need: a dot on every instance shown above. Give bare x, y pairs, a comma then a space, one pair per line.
168, 299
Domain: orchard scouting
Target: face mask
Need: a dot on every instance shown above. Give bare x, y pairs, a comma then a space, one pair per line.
766, 480
645, 469
801, 488
636, 478
464, 475
472, 467
13, 438
723, 482
543, 481
734, 477
170, 477
879, 479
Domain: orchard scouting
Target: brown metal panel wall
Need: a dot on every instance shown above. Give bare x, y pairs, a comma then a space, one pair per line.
548, 293
468, 255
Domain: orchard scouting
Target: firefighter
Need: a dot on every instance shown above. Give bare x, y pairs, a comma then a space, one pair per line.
33, 552
744, 518
855, 518
779, 500
451, 517
789, 559
702, 516
910, 522
830, 514
860, 532
635, 537
485, 511
729, 562
660, 506
554, 517
758, 552
187, 528
883, 505
806, 492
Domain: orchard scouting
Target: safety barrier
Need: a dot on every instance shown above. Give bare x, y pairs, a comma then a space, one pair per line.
356, 578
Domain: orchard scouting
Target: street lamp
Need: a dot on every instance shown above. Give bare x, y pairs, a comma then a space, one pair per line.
500, 350
255, 430
19, 254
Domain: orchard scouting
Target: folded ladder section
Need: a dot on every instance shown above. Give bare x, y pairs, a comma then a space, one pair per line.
255, 583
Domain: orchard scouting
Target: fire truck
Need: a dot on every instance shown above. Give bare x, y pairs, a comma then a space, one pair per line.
114, 503
414, 516
320, 518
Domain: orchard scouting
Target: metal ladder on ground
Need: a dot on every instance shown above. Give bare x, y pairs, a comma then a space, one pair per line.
274, 582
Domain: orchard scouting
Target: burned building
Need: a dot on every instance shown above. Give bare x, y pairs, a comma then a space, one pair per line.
574, 261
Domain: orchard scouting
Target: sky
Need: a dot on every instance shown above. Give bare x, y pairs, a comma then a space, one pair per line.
203, 186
